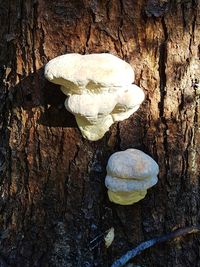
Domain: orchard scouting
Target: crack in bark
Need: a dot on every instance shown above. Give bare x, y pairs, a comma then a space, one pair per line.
6, 116
33, 36
23, 37
163, 81
88, 39
118, 137
71, 162
183, 15
162, 67
120, 35
193, 31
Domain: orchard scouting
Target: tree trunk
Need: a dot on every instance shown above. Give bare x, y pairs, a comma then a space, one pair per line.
53, 199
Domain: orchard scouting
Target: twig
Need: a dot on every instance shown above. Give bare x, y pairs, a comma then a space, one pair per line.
144, 245
96, 241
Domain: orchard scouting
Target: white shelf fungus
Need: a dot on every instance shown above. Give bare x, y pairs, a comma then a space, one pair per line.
99, 89
129, 174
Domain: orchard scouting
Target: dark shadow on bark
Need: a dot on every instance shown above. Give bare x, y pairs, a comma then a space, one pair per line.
34, 91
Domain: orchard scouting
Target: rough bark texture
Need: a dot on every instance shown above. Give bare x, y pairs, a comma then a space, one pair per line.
53, 199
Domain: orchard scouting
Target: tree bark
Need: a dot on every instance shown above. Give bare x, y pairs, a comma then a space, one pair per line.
53, 199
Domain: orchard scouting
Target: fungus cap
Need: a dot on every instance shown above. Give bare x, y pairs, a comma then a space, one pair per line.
99, 89
99, 105
95, 113
74, 71
127, 185
126, 198
129, 174
95, 129
132, 164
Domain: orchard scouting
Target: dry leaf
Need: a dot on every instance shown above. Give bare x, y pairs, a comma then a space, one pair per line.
109, 237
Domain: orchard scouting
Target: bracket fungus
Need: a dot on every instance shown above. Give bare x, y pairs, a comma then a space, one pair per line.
99, 90
129, 174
